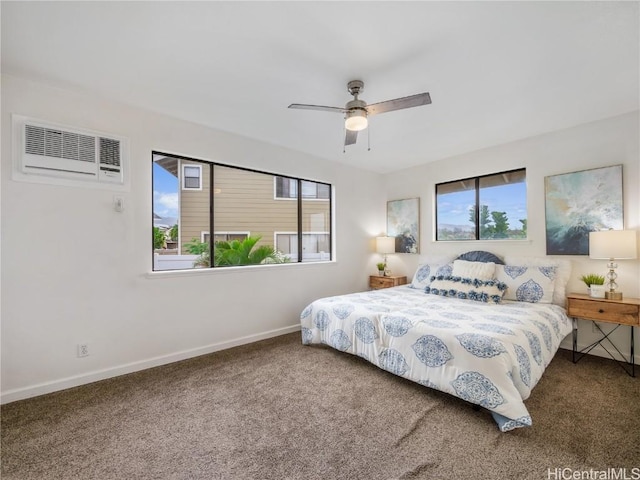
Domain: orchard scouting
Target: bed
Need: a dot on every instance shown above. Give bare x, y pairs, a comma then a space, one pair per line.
452, 333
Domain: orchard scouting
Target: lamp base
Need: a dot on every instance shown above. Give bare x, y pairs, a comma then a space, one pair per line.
613, 295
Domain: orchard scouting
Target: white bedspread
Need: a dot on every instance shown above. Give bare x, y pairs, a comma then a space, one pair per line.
490, 355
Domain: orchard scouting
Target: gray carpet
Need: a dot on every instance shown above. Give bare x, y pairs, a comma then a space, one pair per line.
279, 410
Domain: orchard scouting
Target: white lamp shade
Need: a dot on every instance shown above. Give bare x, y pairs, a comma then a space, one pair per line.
356, 120
385, 245
617, 244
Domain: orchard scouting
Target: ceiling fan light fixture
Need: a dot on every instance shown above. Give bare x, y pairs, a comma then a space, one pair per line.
356, 120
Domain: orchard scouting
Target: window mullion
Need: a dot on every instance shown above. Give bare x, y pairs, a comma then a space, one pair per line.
211, 218
299, 220
477, 182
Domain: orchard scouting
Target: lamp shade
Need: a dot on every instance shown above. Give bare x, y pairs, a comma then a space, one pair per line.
356, 120
617, 244
385, 245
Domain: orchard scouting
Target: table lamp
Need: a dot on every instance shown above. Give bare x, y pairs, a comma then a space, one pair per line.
613, 245
384, 246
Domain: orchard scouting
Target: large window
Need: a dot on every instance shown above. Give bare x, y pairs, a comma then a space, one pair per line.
244, 208
490, 207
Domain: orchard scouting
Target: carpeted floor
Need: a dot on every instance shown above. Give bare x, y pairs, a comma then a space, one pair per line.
279, 410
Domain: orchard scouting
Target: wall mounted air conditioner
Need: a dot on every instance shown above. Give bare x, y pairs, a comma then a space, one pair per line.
50, 150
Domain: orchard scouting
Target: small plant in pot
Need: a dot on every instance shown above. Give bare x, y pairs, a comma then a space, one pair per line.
381, 267
595, 283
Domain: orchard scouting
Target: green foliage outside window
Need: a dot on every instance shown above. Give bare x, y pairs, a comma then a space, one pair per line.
158, 238
235, 252
495, 225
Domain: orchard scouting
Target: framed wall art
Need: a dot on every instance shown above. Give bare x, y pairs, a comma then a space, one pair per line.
581, 202
403, 223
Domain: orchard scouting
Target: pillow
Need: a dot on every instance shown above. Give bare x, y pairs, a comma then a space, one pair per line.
424, 273
467, 288
527, 284
563, 272
479, 270
480, 256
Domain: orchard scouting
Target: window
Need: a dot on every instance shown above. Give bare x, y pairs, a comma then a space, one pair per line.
315, 246
191, 176
223, 236
490, 207
239, 204
287, 188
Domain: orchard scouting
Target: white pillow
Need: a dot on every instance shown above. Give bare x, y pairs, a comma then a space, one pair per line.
563, 272
422, 277
527, 284
479, 270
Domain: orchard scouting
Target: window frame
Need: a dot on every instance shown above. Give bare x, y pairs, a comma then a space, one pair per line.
200, 163
476, 181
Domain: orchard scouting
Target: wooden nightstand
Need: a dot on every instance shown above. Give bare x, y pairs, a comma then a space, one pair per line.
619, 312
377, 282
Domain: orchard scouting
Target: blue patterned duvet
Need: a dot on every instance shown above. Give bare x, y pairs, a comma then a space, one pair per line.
490, 355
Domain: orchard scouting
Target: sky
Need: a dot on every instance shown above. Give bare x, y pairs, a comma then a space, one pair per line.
165, 193
453, 208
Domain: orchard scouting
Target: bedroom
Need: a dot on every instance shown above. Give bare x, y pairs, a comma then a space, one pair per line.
91, 283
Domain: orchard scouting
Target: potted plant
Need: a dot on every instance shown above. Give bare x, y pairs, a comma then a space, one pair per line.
381, 267
595, 283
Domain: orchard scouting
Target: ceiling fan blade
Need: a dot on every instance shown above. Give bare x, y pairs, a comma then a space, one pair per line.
399, 103
317, 107
350, 137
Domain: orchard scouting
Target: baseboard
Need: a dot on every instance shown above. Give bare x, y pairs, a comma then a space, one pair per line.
75, 381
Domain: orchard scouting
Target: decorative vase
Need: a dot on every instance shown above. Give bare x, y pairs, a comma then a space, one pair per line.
381, 273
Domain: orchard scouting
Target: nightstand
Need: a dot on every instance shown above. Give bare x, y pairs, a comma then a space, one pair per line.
601, 310
377, 282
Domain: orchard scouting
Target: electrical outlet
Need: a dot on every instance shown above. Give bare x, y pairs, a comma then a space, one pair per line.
83, 350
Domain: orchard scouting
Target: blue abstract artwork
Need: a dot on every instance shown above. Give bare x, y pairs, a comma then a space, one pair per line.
581, 202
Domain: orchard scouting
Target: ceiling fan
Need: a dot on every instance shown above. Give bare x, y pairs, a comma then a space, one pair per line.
357, 111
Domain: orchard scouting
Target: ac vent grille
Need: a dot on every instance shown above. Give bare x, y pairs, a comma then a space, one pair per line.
60, 144
50, 153
109, 152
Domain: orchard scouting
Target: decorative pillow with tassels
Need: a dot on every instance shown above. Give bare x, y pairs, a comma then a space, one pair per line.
467, 288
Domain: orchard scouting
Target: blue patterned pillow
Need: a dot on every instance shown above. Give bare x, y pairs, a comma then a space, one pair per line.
528, 284
422, 277
467, 288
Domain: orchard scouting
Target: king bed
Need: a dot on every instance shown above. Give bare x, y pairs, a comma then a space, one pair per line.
482, 331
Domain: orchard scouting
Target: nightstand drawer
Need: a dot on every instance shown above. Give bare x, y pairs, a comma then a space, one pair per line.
377, 282
611, 312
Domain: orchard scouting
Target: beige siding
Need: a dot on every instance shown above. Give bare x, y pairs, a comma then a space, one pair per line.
244, 202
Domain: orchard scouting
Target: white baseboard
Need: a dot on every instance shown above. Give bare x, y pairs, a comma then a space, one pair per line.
75, 381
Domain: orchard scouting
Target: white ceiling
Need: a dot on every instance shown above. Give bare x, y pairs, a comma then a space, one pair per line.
496, 71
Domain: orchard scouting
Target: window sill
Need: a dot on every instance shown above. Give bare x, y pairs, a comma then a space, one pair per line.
231, 270
484, 242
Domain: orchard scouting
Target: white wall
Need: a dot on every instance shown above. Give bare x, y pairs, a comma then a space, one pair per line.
75, 271
612, 141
